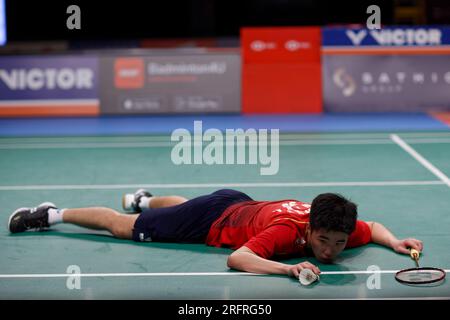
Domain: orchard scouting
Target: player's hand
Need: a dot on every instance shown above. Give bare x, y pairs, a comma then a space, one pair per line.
295, 270
403, 246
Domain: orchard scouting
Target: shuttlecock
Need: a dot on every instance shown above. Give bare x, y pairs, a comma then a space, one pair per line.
307, 276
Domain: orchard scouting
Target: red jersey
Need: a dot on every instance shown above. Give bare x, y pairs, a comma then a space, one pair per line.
271, 228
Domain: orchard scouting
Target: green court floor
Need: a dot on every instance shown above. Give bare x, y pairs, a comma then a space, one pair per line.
390, 185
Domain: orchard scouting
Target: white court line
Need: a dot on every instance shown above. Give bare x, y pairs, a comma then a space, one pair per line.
180, 274
167, 143
87, 145
359, 135
283, 136
420, 159
288, 136
146, 274
156, 144
428, 140
220, 185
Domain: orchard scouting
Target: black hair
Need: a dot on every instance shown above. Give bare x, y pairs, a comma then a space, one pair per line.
333, 212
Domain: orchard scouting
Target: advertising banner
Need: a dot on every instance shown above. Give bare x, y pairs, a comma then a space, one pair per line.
281, 70
48, 85
281, 45
171, 83
400, 68
393, 36
386, 83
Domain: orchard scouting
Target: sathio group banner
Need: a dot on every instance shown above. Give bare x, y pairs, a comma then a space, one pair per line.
386, 83
392, 69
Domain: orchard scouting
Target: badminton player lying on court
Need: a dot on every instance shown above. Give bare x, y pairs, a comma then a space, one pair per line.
259, 230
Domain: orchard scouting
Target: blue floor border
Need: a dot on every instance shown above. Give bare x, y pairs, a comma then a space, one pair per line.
165, 124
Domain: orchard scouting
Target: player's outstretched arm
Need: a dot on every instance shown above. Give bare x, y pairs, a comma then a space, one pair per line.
381, 235
245, 259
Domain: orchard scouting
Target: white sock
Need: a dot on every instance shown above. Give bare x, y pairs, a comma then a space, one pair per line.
144, 203
55, 216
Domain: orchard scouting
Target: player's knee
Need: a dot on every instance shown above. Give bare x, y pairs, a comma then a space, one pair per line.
120, 230
121, 233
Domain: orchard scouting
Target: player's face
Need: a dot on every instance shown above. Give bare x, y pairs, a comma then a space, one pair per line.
326, 245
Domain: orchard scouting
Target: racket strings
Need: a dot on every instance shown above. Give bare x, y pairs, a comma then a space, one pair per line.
420, 275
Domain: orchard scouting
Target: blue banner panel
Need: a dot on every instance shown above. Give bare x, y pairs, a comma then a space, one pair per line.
391, 36
49, 86
49, 77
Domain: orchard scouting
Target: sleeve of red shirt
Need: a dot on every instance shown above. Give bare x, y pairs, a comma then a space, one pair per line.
361, 236
275, 240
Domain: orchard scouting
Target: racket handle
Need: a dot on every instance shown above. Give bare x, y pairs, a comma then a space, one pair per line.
414, 254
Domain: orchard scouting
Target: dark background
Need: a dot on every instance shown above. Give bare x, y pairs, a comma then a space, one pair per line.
133, 19
46, 20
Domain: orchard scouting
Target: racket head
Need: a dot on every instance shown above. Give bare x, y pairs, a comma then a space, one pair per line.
420, 276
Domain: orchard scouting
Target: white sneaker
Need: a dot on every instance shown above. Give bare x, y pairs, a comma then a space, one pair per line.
130, 202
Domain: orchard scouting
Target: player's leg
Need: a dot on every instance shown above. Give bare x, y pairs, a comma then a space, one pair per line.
100, 218
46, 214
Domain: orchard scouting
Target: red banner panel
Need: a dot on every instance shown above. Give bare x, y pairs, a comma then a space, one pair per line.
281, 70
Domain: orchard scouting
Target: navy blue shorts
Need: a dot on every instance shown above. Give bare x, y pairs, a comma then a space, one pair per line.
187, 222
